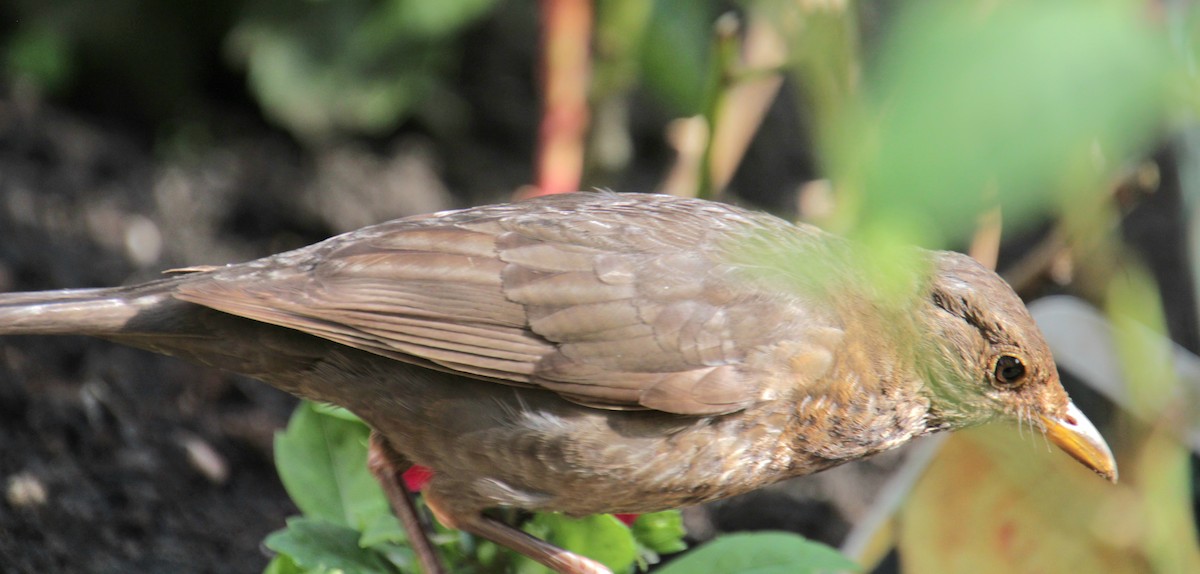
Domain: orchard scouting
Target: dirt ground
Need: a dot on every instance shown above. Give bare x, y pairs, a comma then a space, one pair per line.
142, 463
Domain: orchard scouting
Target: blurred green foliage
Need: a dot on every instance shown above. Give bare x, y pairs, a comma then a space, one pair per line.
317, 68
676, 54
958, 108
41, 54
968, 107
352, 66
148, 59
761, 553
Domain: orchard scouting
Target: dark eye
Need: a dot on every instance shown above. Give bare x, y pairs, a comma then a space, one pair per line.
1009, 370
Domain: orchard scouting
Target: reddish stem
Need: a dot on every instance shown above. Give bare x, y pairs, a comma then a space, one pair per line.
565, 74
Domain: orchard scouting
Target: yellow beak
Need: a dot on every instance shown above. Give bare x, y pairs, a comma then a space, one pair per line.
1078, 437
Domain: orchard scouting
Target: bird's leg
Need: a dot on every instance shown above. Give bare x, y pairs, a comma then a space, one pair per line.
388, 466
543, 552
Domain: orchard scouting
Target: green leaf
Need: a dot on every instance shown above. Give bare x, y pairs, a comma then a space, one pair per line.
661, 532
402, 556
282, 564
966, 108
601, 537
322, 69
42, 54
322, 461
383, 528
675, 53
313, 543
424, 19
760, 553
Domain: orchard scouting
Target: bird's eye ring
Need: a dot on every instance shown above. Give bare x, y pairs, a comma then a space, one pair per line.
1009, 370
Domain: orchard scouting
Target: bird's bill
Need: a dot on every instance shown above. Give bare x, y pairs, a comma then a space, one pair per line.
1078, 437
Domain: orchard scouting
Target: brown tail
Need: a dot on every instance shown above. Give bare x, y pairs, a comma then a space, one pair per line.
148, 316
96, 312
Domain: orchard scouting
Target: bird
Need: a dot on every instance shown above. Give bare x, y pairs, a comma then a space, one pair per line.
601, 352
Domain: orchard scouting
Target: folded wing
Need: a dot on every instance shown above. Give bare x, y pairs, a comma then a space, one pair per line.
611, 301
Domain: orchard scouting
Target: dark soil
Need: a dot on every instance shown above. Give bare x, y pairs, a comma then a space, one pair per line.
104, 432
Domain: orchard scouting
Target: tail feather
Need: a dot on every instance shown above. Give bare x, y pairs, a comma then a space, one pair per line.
148, 316
95, 312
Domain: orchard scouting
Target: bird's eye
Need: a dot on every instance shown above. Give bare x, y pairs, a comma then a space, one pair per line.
1009, 371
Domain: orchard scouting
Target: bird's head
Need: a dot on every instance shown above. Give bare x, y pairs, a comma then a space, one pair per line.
986, 359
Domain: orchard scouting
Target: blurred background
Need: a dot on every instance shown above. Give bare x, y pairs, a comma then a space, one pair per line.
1056, 141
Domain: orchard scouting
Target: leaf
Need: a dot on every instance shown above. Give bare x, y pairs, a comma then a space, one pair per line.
321, 69
313, 543
661, 532
424, 19
402, 556
384, 528
601, 537
675, 54
40, 53
760, 553
322, 461
282, 564
993, 503
967, 106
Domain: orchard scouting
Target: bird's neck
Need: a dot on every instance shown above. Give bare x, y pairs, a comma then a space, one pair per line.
872, 398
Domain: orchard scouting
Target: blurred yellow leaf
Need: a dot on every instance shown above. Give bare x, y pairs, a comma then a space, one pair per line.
996, 502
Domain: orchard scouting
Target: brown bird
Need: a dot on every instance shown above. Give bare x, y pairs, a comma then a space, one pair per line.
599, 352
